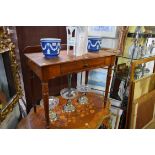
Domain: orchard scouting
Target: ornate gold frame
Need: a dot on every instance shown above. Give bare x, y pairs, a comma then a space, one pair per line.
6, 45
123, 31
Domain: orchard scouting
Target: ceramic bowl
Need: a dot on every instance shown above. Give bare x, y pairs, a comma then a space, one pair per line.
50, 47
94, 44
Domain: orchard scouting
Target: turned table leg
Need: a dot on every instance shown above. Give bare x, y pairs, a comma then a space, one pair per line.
45, 96
107, 85
32, 88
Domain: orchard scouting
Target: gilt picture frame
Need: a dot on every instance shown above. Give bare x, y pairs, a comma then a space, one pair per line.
7, 48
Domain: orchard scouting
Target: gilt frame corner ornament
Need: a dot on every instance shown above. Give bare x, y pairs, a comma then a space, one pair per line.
123, 31
6, 45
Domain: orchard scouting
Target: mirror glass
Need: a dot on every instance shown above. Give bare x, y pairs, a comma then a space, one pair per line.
108, 35
7, 84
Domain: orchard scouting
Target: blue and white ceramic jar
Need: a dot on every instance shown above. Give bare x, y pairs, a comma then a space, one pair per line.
50, 47
94, 44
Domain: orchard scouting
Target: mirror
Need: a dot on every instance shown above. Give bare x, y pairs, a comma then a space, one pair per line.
10, 87
7, 85
113, 37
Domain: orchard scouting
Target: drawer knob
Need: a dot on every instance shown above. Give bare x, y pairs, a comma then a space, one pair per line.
85, 65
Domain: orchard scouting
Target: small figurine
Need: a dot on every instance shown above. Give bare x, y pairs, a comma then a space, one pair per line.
151, 47
121, 90
138, 31
134, 50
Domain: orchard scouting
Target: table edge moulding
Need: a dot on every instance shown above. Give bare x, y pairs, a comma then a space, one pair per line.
64, 64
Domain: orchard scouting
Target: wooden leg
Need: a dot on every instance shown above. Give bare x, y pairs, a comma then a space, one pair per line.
107, 85
45, 96
32, 88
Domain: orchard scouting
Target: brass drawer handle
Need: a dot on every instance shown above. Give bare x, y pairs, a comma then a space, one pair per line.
85, 65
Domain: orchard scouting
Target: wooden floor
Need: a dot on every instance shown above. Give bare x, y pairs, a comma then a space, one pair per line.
88, 116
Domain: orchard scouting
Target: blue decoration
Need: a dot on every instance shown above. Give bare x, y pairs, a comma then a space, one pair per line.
50, 47
94, 44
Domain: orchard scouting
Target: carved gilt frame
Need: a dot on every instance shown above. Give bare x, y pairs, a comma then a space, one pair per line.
122, 31
6, 45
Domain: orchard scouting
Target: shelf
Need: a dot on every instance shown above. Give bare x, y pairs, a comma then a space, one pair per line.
88, 116
141, 35
146, 56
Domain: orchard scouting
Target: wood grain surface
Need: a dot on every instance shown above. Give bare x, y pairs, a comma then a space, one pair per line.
88, 116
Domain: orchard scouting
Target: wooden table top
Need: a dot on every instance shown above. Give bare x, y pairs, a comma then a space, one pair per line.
40, 60
88, 116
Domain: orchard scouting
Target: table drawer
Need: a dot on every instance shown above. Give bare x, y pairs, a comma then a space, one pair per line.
94, 63
71, 67
84, 64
